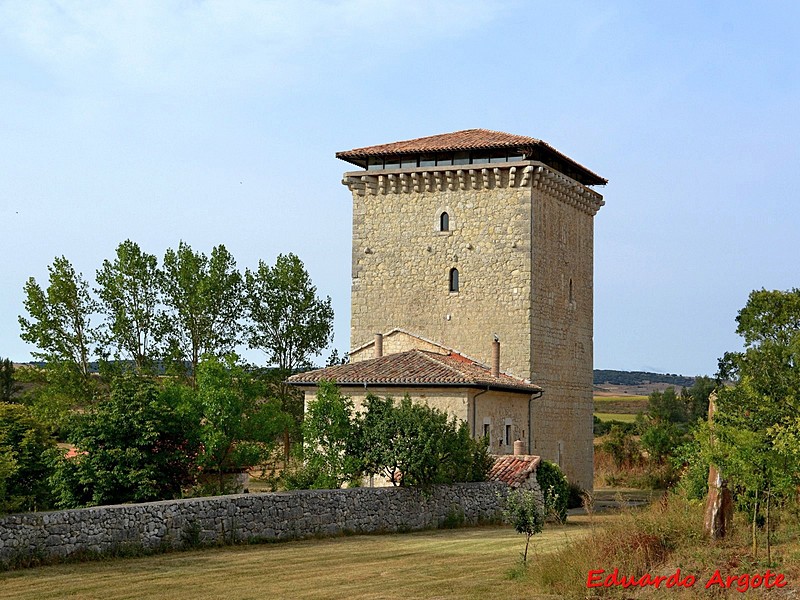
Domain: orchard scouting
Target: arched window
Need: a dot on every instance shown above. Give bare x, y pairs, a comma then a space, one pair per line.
453, 280
444, 222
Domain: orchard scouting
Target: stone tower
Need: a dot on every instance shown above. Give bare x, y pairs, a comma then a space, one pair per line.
465, 236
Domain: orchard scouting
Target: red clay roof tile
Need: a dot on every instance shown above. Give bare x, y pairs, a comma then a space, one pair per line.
416, 367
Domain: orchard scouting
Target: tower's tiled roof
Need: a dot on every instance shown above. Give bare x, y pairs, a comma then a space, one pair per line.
467, 139
513, 469
416, 368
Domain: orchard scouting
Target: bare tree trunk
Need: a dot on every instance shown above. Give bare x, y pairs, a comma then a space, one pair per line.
755, 539
769, 554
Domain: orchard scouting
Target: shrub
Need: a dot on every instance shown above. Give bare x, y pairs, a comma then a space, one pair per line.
555, 489
25, 447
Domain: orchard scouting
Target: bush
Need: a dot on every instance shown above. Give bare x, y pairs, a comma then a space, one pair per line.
555, 489
138, 445
25, 449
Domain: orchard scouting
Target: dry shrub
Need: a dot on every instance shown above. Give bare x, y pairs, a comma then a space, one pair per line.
638, 541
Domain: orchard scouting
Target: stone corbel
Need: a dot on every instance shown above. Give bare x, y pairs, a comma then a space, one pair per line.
512, 175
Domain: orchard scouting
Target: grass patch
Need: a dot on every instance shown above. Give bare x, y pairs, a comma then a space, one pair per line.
625, 398
456, 563
624, 418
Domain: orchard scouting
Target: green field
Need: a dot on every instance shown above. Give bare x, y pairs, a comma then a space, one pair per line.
458, 563
623, 417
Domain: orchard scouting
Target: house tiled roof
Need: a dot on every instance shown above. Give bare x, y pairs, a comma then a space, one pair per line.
416, 368
465, 140
513, 469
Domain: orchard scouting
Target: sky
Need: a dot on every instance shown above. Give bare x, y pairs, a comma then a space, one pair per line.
216, 122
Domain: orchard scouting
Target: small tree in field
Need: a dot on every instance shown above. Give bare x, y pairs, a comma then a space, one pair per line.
523, 514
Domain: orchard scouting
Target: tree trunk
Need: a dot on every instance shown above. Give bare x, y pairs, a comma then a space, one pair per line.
719, 504
769, 554
755, 539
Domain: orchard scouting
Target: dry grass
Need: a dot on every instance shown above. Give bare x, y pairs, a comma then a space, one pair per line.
659, 540
460, 563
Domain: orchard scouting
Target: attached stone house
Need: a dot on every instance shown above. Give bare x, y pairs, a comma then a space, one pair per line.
465, 237
492, 403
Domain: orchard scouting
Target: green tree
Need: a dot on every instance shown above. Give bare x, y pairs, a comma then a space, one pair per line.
418, 445
240, 426
523, 513
8, 384
25, 446
555, 489
750, 437
289, 322
137, 445
129, 291
204, 296
330, 437
60, 317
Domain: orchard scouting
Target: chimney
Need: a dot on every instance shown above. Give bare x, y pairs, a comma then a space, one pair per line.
378, 345
496, 357
519, 447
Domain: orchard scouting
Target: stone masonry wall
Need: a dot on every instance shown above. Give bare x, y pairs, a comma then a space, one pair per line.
401, 265
521, 237
241, 518
562, 334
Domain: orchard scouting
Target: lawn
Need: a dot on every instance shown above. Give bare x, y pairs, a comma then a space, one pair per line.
457, 563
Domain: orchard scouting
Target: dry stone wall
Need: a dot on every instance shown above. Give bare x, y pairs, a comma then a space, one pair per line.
241, 518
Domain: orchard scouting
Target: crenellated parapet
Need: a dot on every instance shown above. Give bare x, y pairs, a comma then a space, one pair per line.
477, 177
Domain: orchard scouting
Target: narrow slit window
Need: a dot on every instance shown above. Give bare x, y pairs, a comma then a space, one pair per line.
508, 434
444, 222
453, 280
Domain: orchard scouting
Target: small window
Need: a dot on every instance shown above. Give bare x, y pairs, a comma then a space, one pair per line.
453, 280
486, 429
444, 222
461, 158
427, 160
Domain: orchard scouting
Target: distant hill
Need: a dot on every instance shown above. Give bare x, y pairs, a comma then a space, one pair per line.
637, 378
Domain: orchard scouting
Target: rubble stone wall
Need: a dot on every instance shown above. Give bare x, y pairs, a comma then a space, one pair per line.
242, 518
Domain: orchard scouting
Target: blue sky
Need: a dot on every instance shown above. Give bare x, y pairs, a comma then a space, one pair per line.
217, 122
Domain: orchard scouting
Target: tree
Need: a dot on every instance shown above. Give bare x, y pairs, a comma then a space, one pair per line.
418, 445
330, 438
8, 385
137, 445
289, 323
757, 415
25, 445
240, 426
523, 513
60, 325
130, 296
555, 490
205, 299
